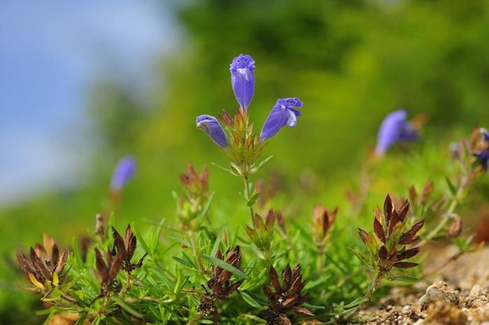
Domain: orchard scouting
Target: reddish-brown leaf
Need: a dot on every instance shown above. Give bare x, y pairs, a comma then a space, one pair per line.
273, 275
303, 311
405, 265
383, 254
363, 235
408, 253
379, 230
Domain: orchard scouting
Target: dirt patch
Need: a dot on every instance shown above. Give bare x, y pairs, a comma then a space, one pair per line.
457, 294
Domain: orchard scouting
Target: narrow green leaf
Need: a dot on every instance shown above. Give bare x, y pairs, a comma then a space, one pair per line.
451, 187
77, 255
355, 303
261, 164
126, 307
226, 266
207, 206
184, 262
250, 300
215, 247
254, 197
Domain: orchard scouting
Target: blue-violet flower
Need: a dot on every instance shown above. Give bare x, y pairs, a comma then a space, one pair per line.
483, 154
123, 172
283, 113
210, 125
243, 79
394, 128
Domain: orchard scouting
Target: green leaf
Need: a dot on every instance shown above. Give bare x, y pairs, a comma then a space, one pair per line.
260, 165
184, 262
215, 247
451, 187
254, 197
226, 266
250, 300
207, 206
355, 303
77, 255
126, 307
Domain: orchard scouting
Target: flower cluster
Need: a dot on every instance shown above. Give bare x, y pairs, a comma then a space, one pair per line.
235, 135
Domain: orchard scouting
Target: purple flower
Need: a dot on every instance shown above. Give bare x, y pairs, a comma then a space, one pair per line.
243, 79
210, 125
483, 154
394, 128
123, 172
282, 114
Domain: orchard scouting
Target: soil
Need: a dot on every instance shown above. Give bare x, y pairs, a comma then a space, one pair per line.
457, 294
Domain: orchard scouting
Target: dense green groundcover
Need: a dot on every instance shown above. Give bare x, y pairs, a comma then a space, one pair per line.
350, 63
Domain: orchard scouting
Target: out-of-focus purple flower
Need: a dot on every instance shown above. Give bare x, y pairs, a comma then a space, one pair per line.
210, 125
123, 172
283, 113
243, 79
483, 154
394, 128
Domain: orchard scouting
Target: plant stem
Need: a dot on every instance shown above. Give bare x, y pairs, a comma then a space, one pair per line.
196, 252
373, 287
247, 196
443, 222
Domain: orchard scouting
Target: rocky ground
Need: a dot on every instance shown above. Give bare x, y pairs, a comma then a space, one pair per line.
457, 294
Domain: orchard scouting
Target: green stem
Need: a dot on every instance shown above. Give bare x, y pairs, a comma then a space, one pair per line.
247, 195
196, 252
443, 222
373, 287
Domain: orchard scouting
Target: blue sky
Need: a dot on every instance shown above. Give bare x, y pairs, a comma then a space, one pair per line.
50, 52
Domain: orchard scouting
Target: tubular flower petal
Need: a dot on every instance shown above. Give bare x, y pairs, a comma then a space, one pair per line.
283, 113
243, 79
394, 128
210, 125
123, 172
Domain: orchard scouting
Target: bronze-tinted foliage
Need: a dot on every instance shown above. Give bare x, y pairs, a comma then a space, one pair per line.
286, 296
109, 264
388, 226
195, 184
125, 248
323, 222
107, 270
45, 264
220, 285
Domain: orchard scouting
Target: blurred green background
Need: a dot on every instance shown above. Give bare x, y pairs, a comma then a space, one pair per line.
350, 61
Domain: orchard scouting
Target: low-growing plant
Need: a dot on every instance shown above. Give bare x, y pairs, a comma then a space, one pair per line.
198, 268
